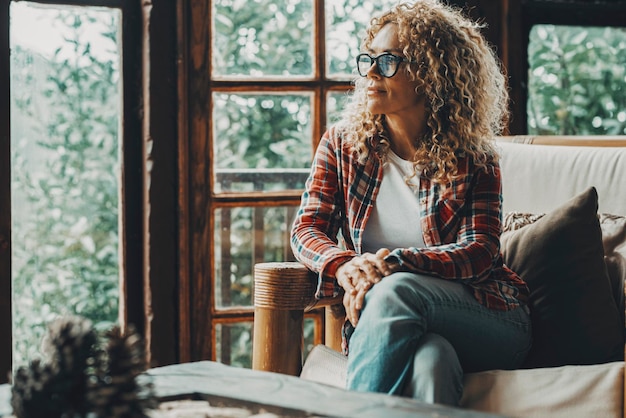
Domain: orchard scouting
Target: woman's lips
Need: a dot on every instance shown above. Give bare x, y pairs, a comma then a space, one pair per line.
373, 91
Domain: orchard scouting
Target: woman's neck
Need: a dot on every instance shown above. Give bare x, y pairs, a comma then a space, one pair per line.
403, 134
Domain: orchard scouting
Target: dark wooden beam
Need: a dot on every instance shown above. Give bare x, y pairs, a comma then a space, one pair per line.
6, 342
575, 12
160, 185
184, 233
199, 160
131, 206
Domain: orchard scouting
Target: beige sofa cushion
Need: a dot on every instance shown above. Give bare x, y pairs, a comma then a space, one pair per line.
325, 365
614, 243
569, 391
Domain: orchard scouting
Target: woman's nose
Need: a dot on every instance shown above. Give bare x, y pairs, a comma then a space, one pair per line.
373, 71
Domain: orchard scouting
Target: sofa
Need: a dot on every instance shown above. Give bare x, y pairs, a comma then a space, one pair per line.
564, 223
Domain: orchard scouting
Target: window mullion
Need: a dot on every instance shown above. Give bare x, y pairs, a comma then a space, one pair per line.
319, 44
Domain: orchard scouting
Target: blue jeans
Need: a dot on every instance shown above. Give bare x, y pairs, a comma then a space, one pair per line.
418, 334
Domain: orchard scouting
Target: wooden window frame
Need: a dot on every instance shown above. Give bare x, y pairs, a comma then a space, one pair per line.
196, 262
508, 29
522, 15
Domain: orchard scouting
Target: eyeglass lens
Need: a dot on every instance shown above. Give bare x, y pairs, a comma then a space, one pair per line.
387, 64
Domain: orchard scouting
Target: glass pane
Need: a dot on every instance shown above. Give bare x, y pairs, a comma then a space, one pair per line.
234, 344
245, 236
335, 104
262, 142
65, 114
577, 80
346, 21
309, 335
262, 38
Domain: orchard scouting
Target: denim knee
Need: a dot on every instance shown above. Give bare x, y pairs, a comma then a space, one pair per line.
437, 375
397, 291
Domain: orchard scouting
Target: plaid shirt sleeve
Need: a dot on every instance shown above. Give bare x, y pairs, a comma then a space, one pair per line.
314, 232
462, 226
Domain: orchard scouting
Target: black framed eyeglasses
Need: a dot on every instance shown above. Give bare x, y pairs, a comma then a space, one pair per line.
386, 62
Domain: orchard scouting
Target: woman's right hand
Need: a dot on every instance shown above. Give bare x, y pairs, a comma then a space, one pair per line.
357, 276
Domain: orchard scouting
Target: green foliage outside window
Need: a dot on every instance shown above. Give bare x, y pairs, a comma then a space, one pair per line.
65, 115
262, 38
262, 131
577, 80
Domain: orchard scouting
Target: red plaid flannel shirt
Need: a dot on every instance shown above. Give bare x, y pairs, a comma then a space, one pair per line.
461, 224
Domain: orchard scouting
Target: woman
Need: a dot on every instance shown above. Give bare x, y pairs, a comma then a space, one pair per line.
410, 182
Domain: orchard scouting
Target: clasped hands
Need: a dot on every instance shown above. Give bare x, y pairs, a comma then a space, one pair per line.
358, 275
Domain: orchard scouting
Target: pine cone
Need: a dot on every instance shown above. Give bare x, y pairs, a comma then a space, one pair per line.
57, 388
118, 392
71, 346
80, 379
33, 393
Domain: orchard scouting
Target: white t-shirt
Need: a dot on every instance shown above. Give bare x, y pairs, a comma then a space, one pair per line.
395, 218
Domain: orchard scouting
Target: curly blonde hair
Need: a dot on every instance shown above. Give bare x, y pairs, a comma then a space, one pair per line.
461, 78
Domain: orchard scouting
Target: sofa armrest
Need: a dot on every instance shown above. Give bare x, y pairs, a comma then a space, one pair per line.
283, 291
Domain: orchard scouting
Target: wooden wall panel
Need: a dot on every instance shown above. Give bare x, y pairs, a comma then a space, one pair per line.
184, 233
131, 204
199, 180
160, 127
494, 15
491, 14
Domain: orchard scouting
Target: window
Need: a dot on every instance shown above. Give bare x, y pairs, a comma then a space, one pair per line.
65, 165
577, 80
565, 61
276, 76
71, 163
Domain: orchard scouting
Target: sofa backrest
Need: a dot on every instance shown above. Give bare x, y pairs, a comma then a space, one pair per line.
541, 173
538, 178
